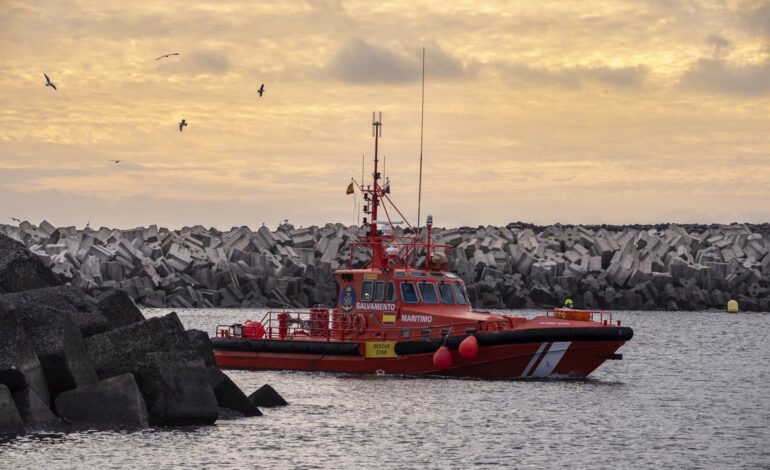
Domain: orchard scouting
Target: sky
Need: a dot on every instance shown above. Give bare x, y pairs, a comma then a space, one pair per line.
584, 112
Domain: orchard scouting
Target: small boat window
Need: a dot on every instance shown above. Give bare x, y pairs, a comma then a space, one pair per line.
379, 291
437, 274
408, 293
446, 293
367, 288
460, 293
428, 292
400, 274
425, 333
406, 333
418, 274
390, 292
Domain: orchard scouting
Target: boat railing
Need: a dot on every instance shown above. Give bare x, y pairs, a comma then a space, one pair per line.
597, 316
403, 251
322, 324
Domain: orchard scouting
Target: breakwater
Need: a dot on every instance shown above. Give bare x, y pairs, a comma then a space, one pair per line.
69, 362
639, 267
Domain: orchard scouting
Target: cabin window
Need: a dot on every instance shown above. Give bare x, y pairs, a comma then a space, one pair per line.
408, 293
428, 292
425, 333
406, 333
390, 292
367, 288
400, 274
446, 293
460, 293
418, 274
379, 291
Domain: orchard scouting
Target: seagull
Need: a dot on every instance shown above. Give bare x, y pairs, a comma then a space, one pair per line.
182, 124
16, 220
261, 90
167, 55
116, 161
48, 82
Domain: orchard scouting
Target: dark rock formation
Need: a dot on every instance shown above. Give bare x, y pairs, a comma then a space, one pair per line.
21, 270
229, 395
19, 365
34, 412
119, 309
59, 347
67, 299
267, 397
202, 343
10, 421
112, 403
176, 389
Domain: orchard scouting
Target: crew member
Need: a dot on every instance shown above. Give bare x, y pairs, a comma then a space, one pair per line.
568, 303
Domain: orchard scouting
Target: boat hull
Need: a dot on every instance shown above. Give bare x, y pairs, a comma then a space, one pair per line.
544, 359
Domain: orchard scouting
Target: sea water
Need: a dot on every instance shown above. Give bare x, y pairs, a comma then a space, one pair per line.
692, 391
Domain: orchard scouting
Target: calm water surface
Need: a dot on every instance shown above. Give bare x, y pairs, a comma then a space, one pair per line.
693, 391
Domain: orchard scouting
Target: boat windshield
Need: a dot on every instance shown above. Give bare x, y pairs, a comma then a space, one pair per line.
379, 291
367, 288
446, 293
428, 292
390, 292
408, 293
459, 293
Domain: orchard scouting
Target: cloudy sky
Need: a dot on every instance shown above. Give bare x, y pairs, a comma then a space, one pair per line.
576, 112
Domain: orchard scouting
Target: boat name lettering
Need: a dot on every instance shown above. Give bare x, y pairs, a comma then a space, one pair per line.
375, 306
417, 318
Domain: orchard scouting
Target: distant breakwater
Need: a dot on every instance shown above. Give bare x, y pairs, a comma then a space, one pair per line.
636, 267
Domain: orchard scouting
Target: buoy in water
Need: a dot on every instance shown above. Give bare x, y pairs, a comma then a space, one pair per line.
469, 347
442, 358
732, 306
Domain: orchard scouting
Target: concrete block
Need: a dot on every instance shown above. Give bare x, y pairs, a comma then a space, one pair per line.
176, 389
11, 423
21, 270
35, 412
111, 403
19, 365
228, 394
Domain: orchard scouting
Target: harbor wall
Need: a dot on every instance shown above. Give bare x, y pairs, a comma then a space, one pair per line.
636, 267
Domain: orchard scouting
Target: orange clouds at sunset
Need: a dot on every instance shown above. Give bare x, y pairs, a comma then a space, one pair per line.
572, 112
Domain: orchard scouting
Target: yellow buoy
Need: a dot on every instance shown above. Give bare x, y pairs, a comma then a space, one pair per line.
732, 306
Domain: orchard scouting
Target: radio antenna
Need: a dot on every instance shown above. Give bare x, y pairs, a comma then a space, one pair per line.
422, 118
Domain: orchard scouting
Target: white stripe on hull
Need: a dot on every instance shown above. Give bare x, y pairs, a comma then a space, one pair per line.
533, 360
551, 359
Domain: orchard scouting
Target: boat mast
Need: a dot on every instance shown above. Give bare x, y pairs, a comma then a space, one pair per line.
378, 259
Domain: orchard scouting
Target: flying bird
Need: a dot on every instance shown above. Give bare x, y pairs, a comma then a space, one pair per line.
182, 124
16, 220
261, 90
167, 55
48, 82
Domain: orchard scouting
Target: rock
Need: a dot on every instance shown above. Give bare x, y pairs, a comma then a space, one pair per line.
176, 389
112, 403
120, 350
229, 395
19, 365
21, 270
267, 397
119, 309
10, 421
64, 299
202, 343
59, 347
34, 412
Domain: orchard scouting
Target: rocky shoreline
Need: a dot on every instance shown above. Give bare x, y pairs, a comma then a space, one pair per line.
637, 267
69, 362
